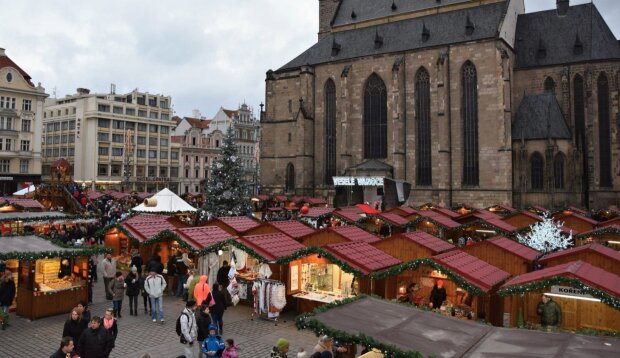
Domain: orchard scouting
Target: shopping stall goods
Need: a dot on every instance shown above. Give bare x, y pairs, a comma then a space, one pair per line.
50, 279
400, 331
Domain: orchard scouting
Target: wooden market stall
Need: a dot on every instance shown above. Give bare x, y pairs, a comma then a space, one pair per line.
436, 224
412, 245
292, 228
406, 212
317, 217
27, 222
522, 219
337, 234
346, 216
575, 222
234, 225
606, 235
595, 254
588, 296
502, 209
212, 248
43, 288
384, 224
8, 205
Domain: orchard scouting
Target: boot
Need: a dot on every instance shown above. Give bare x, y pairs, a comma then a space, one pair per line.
130, 311
119, 314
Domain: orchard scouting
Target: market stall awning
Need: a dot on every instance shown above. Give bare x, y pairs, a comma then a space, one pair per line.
315, 201
34, 215
393, 219
271, 246
523, 251
438, 219
94, 195
280, 198
146, 230
204, 236
117, 195
477, 272
445, 212
166, 202
142, 195
27, 190
584, 272
318, 212
239, 224
433, 243
405, 210
613, 229
140, 217
362, 256
292, 228
367, 209
261, 197
396, 328
354, 233
576, 252
21, 202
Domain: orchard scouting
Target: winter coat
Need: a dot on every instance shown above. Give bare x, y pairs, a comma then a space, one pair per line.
95, 343
133, 284
275, 353
550, 313
109, 268
188, 325
136, 261
220, 301
7, 292
202, 323
142, 289
202, 290
190, 288
113, 330
213, 343
74, 329
156, 266
155, 286
117, 289
230, 352
222, 275
438, 295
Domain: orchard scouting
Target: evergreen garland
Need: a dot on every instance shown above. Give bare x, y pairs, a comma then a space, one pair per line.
75, 251
100, 234
225, 192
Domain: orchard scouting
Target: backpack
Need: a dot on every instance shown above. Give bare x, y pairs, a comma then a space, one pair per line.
178, 327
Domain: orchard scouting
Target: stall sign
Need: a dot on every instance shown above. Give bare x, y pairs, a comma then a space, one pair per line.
153, 179
361, 181
569, 291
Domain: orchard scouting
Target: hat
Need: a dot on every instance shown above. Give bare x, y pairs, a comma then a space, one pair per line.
282, 343
212, 327
439, 282
134, 269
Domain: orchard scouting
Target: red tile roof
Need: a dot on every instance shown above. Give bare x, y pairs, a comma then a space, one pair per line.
354, 233
280, 198
440, 219
230, 113
502, 206
407, 210
447, 212
576, 251
262, 197
204, 236
475, 271
239, 223
198, 123
526, 213
141, 218
24, 203
586, 273
315, 201
117, 195
613, 228
142, 195
394, 219
294, 229
362, 256
348, 215
316, 212
435, 244
5, 61
539, 208
145, 230
499, 223
271, 246
94, 195
297, 199
514, 247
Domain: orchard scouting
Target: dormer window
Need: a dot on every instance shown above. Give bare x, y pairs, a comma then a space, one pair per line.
469, 27
9, 77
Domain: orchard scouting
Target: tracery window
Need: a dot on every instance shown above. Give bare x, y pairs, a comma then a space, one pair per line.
330, 131
290, 177
470, 124
558, 171
423, 128
604, 131
375, 118
537, 171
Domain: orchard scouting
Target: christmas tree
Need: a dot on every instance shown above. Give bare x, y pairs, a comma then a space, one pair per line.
225, 191
546, 236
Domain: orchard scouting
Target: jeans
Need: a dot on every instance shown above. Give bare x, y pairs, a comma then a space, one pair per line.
158, 306
218, 320
147, 299
117, 305
133, 304
182, 281
106, 284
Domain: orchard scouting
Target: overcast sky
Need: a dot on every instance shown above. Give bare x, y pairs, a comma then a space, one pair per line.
203, 53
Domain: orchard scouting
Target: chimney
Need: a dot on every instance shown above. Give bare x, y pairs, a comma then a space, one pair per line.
327, 10
83, 91
562, 7
196, 113
2, 52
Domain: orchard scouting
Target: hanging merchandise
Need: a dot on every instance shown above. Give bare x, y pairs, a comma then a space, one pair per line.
264, 271
213, 265
269, 298
240, 258
233, 271
278, 296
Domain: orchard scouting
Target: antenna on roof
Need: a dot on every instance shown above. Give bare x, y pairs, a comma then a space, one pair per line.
54, 92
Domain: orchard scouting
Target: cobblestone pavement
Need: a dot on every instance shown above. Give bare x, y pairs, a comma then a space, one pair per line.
139, 335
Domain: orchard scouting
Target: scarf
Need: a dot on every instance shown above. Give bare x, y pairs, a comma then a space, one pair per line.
107, 323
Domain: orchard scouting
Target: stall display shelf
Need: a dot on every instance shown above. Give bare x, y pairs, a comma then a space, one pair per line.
46, 271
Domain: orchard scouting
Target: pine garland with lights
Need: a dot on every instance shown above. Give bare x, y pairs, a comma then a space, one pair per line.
414, 264
48, 218
605, 297
225, 192
598, 233
100, 234
75, 251
168, 234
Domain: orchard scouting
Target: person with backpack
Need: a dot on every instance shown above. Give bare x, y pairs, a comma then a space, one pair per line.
187, 329
155, 285
213, 345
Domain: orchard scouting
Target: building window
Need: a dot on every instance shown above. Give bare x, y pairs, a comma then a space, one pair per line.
140, 170
117, 152
549, 85
152, 128
7, 102
142, 140
104, 151
152, 154
558, 171
470, 124
537, 171
6, 123
141, 153
64, 138
290, 177
130, 111
130, 125
71, 138
165, 117
23, 166
163, 129
197, 173
116, 170
163, 172
604, 132
217, 143
103, 108
102, 169
71, 124
63, 152
153, 114
174, 172
375, 118
118, 124
152, 171
163, 142
25, 146
56, 126
141, 113
580, 123
27, 105
64, 126
117, 110
71, 152
5, 165
174, 155
103, 123
118, 138
423, 128
330, 131
194, 141
187, 173
8, 144
163, 154
141, 127
153, 141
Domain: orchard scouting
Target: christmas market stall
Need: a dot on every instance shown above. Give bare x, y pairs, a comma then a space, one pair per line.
605, 235
317, 217
412, 245
337, 234
522, 219
40, 222
167, 203
435, 223
9, 205
334, 272
401, 331
595, 254
480, 225
455, 282
502, 209
214, 246
588, 296
384, 224
406, 212
350, 215
234, 225
50, 279
575, 221
292, 228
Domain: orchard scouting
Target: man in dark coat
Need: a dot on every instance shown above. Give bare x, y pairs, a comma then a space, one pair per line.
438, 295
96, 341
549, 312
7, 291
217, 310
222, 274
66, 347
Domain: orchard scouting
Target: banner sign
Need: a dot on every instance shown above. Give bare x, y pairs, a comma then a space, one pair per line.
569, 291
361, 181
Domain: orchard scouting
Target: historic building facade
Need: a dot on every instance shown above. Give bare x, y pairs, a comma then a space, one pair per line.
445, 95
21, 123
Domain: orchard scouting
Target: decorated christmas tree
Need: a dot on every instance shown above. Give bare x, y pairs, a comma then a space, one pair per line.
546, 236
225, 192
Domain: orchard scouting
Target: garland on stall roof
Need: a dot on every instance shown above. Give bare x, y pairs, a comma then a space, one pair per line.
100, 234
307, 321
414, 264
402, 226
79, 251
485, 225
320, 251
169, 234
48, 218
598, 233
605, 297
232, 242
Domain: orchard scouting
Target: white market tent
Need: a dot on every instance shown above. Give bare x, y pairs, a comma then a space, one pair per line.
24, 191
166, 202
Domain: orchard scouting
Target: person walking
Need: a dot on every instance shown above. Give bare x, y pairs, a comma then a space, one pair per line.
66, 348
155, 285
550, 313
182, 268
230, 350
136, 261
217, 310
202, 291
109, 322
92, 267
189, 329
117, 290
74, 326
132, 281
109, 270
213, 345
203, 321
7, 291
96, 341
145, 296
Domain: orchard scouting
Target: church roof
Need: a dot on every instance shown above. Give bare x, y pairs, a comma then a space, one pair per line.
544, 38
540, 117
404, 35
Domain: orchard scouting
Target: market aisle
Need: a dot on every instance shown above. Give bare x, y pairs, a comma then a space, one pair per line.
139, 335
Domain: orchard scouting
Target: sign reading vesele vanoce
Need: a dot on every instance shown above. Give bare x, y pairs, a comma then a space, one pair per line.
362, 181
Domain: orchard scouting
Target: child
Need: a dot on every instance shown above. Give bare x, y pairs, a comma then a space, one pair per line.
212, 346
230, 351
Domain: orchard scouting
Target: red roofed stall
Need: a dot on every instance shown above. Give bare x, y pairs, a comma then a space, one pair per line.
385, 224
595, 254
292, 228
588, 296
337, 234
608, 235
234, 225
